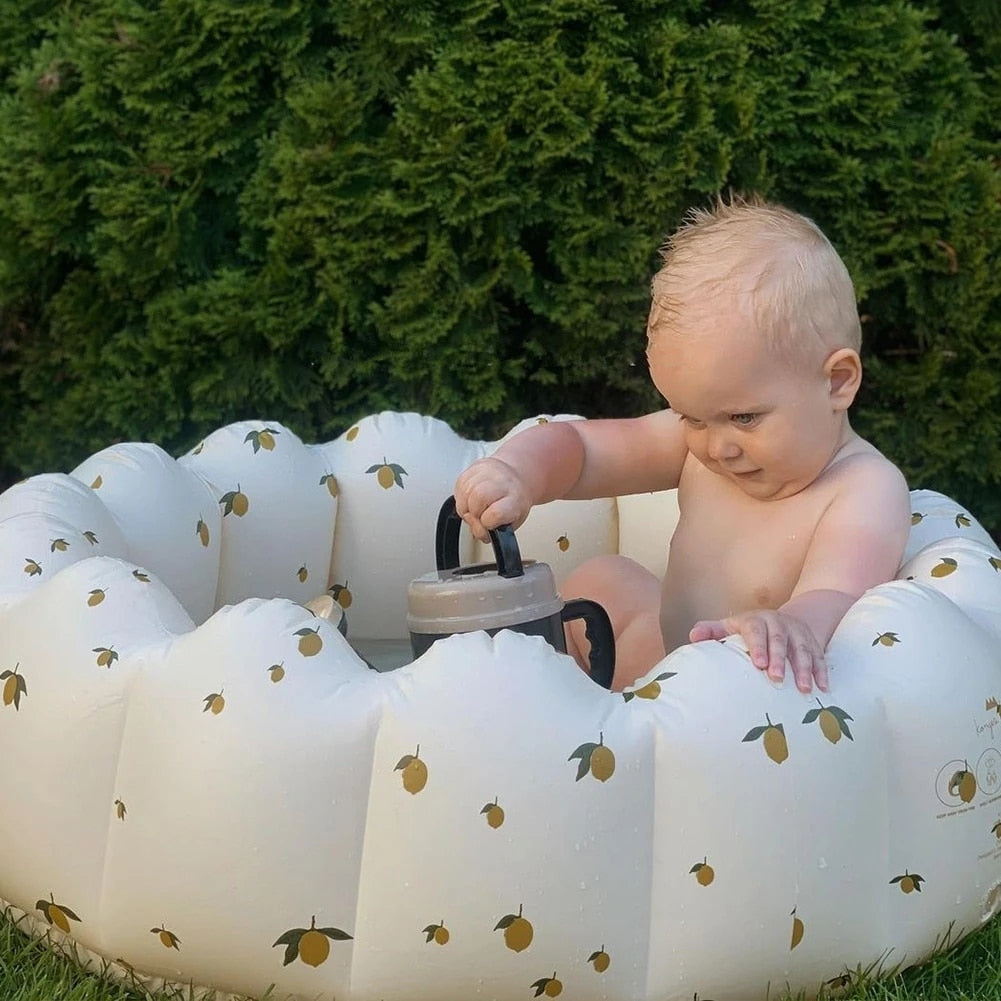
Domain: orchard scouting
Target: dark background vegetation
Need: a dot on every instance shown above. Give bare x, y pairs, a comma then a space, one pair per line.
310, 211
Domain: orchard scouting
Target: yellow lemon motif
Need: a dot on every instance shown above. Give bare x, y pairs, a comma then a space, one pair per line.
352, 433
311, 945
106, 656
341, 594
120, 809
59, 545
596, 759
704, 872
518, 931
908, 882
330, 481
95, 597
549, 986
314, 947
214, 703
277, 672
167, 938
495, 814
944, 567
310, 643
302, 573
886, 639
32, 567
58, 915
96, 483
388, 474
600, 960
202, 531
14, 686
235, 502
774, 739
829, 726
797, 931
963, 784
563, 543
437, 933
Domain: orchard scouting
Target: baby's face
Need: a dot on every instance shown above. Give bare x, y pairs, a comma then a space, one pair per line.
751, 416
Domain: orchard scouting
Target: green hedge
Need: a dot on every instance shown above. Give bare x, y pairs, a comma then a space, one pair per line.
311, 211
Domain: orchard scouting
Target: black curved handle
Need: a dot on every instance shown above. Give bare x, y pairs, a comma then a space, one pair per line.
598, 630
446, 543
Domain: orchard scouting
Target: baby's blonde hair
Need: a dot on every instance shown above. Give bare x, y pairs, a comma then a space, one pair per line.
801, 295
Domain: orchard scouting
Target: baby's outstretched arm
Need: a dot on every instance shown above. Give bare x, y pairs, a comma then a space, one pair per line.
857, 544
575, 459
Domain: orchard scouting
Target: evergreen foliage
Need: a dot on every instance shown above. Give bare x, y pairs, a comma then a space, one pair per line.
311, 211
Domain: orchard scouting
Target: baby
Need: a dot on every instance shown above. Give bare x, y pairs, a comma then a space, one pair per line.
786, 515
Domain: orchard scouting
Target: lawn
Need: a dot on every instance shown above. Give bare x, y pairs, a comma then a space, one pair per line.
969, 972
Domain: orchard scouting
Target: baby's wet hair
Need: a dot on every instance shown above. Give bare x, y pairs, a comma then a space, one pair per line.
799, 291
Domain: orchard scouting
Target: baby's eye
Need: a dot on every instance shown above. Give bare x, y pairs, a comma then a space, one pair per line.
744, 420
692, 422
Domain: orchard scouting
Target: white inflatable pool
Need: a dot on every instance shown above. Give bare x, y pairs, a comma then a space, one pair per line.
204, 784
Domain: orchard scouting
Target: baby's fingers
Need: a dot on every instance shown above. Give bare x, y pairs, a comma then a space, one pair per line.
708, 629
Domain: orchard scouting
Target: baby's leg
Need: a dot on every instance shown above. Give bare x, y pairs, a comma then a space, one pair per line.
631, 596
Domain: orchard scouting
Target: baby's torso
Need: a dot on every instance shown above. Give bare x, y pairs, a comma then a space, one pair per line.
731, 553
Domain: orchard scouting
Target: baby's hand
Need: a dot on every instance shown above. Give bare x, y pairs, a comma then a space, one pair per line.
491, 493
771, 638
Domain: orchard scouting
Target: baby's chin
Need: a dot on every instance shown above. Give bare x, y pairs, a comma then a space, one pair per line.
758, 484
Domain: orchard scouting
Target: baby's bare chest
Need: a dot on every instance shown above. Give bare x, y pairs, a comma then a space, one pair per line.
738, 553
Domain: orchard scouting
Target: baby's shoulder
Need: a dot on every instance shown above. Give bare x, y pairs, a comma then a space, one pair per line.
863, 474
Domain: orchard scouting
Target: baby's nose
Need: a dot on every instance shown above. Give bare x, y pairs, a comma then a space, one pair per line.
722, 445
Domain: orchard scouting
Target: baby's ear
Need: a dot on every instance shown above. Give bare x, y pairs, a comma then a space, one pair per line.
844, 370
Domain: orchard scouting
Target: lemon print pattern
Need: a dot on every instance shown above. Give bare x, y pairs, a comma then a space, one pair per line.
563, 543
518, 931
167, 938
235, 502
550, 986
214, 703
120, 810
310, 642
311, 945
963, 784
908, 882
388, 474
329, 481
651, 690
352, 433
494, 814
57, 915
963, 521
302, 573
58, 546
277, 672
95, 597
704, 872
262, 439
773, 738
996, 830
341, 594
438, 933
32, 567
415, 771
797, 931
202, 531
91, 538
96, 482
944, 567
600, 959
995, 563
14, 687
143, 578
106, 655
597, 759
886, 639
833, 721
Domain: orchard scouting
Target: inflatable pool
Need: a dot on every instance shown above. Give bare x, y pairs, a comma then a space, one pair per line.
205, 784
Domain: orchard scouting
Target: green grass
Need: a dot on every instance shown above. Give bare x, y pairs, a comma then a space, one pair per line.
969, 972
